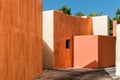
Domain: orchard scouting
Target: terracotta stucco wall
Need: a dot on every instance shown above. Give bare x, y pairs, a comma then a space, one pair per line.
106, 51
20, 39
65, 27
94, 51
115, 22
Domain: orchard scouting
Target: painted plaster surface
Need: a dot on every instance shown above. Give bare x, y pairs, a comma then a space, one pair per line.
100, 25
20, 39
57, 28
48, 39
85, 51
94, 51
65, 27
115, 23
118, 51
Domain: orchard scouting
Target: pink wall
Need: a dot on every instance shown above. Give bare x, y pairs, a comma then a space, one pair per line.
115, 22
84, 53
94, 51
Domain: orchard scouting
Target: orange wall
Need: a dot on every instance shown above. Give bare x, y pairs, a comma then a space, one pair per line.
20, 39
65, 27
94, 51
115, 22
106, 51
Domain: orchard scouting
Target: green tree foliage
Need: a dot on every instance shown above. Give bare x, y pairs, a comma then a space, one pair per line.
110, 27
65, 10
93, 14
79, 14
117, 17
100, 13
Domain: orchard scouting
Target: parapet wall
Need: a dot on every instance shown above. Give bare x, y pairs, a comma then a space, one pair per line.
100, 25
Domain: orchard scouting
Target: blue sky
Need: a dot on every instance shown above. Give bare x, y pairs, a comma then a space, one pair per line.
108, 7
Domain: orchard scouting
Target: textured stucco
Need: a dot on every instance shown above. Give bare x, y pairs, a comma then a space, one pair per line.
100, 25
20, 39
65, 27
57, 28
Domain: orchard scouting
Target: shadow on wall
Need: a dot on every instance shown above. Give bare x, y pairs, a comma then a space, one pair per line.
93, 64
47, 56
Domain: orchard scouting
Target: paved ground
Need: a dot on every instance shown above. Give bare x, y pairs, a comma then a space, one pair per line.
79, 74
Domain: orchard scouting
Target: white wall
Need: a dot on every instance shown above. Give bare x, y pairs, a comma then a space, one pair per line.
100, 25
48, 39
118, 50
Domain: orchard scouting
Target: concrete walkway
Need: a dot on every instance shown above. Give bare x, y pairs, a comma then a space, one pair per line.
79, 74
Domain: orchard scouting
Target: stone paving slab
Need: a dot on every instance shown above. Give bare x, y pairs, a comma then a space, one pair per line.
79, 74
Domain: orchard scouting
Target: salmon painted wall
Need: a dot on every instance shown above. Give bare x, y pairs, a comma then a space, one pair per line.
94, 51
65, 27
85, 51
20, 39
115, 22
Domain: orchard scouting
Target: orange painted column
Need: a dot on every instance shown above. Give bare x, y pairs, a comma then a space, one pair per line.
115, 22
20, 39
